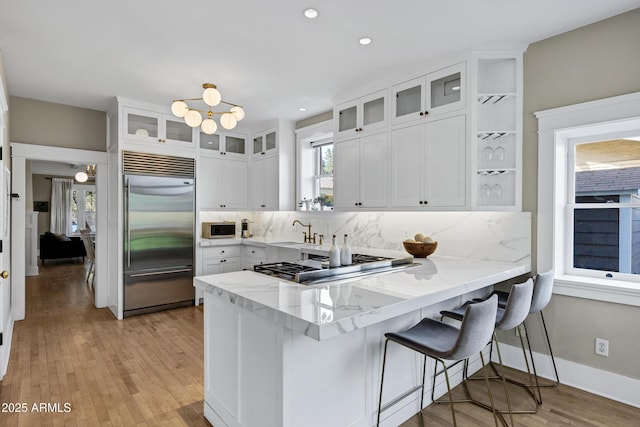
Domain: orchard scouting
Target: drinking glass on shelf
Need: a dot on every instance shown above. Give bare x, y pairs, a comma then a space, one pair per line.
487, 154
485, 191
498, 153
496, 191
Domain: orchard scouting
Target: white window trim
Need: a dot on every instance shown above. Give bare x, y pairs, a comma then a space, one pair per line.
558, 129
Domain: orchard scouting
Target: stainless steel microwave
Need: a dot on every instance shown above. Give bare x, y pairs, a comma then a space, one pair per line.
219, 230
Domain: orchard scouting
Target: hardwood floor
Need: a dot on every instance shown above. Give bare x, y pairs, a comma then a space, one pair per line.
148, 370
143, 371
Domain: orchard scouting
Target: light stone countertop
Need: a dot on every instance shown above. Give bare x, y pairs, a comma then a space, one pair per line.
330, 309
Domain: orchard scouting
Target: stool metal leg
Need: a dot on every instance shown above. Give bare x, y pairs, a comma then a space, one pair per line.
553, 359
384, 361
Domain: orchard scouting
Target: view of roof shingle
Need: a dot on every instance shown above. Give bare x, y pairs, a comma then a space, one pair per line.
608, 180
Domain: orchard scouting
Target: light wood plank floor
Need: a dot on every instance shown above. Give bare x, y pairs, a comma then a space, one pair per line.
148, 370
143, 371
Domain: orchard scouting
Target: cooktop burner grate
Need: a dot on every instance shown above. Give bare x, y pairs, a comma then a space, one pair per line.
283, 270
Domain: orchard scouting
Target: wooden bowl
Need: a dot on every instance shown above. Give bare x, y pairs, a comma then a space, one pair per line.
420, 250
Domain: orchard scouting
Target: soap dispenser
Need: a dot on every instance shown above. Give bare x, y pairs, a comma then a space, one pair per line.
345, 252
334, 253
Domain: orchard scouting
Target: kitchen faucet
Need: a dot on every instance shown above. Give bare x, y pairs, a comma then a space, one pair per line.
307, 234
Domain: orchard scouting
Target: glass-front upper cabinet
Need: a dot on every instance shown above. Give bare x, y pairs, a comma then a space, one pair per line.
361, 116
223, 144
426, 96
265, 143
149, 126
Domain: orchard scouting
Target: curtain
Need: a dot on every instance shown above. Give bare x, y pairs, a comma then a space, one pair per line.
61, 199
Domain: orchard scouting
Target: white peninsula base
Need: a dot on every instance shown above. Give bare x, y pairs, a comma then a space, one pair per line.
278, 354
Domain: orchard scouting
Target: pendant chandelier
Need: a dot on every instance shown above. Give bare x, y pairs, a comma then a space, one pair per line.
195, 117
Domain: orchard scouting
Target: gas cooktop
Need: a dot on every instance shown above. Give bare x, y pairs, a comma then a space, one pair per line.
315, 270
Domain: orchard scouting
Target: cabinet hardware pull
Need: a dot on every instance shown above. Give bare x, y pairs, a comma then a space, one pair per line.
426, 113
421, 113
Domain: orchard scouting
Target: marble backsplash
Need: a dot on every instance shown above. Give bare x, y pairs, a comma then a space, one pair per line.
502, 236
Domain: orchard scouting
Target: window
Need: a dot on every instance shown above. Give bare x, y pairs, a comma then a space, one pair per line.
83, 208
567, 199
323, 176
604, 208
315, 167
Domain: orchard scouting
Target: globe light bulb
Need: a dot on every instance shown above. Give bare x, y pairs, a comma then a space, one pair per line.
211, 96
193, 118
179, 108
82, 177
228, 121
209, 126
238, 112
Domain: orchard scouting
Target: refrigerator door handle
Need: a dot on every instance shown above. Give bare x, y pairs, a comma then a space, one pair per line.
158, 273
128, 195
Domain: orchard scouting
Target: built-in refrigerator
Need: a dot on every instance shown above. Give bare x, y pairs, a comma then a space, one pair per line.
158, 243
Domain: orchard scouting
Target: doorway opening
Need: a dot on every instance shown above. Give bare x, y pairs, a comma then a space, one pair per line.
36, 156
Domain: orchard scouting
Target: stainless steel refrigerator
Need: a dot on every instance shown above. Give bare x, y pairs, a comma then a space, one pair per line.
158, 243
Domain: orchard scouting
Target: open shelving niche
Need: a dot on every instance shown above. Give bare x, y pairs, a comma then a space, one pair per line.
497, 136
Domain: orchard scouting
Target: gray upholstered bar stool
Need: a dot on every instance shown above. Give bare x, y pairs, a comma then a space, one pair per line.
542, 292
509, 317
446, 342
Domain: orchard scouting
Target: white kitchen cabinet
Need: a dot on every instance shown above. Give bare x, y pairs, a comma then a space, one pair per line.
153, 127
361, 116
360, 172
272, 168
265, 143
223, 144
427, 96
252, 255
497, 139
428, 165
221, 259
221, 183
264, 184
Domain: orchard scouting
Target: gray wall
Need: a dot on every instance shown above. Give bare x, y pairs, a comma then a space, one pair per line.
57, 125
597, 61
318, 118
42, 193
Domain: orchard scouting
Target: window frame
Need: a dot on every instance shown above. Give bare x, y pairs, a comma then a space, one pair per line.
572, 206
317, 160
558, 129
81, 201
306, 159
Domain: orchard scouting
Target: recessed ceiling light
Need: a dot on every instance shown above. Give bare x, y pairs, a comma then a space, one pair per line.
311, 13
364, 41
302, 109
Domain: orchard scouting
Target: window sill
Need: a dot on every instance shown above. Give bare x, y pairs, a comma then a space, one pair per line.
615, 291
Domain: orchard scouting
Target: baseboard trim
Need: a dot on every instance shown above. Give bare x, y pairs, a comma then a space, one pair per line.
5, 348
596, 381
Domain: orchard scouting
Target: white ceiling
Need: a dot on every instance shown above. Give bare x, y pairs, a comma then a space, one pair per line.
262, 54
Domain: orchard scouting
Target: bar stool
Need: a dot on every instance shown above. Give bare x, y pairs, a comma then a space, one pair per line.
513, 314
542, 292
441, 342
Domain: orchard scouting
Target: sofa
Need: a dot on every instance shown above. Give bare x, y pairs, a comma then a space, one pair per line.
59, 246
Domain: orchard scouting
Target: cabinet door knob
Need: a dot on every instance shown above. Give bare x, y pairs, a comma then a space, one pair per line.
420, 202
426, 113
422, 113
426, 202
356, 203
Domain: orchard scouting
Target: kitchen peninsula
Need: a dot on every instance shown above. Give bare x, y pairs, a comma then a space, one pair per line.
278, 353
